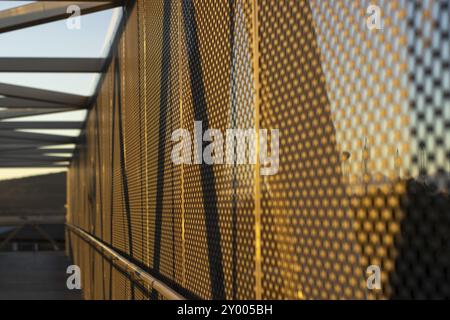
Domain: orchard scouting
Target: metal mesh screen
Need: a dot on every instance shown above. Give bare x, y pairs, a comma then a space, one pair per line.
364, 152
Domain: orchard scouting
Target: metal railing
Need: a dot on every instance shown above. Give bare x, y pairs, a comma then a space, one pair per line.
134, 271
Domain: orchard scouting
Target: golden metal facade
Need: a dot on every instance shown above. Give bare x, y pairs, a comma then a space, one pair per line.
364, 152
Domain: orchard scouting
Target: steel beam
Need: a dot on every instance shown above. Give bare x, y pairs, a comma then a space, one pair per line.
8, 144
11, 125
32, 165
34, 151
44, 12
14, 143
14, 137
11, 235
12, 103
14, 91
46, 236
16, 113
93, 65
32, 158
30, 162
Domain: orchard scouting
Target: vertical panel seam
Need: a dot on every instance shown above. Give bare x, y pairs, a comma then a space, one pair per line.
257, 147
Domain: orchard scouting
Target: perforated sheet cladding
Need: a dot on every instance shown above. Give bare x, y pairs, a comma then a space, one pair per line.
363, 176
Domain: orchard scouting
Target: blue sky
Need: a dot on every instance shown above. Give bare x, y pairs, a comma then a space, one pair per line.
57, 40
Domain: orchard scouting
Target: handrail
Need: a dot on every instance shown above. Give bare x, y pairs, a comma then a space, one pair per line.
132, 269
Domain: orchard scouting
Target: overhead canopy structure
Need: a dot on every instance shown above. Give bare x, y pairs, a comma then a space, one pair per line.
65, 99
20, 143
41, 12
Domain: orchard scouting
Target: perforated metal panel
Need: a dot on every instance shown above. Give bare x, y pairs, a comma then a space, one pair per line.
219, 200
364, 156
